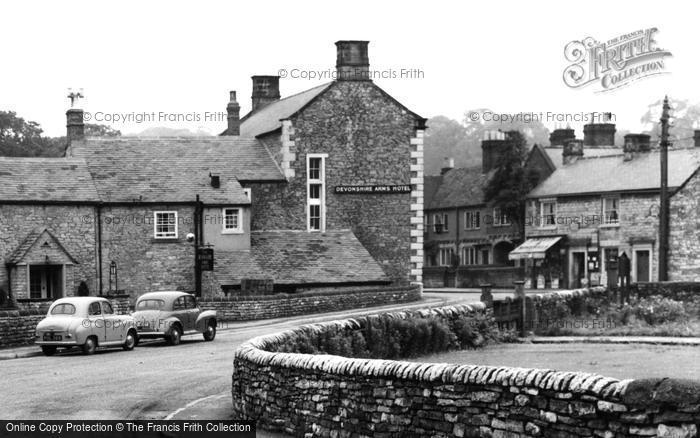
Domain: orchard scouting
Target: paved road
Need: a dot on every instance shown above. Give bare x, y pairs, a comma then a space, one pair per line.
155, 381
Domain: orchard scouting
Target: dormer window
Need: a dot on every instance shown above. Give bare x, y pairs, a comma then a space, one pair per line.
232, 221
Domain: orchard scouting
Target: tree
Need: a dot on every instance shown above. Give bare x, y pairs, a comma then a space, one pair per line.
95, 130
511, 181
685, 117
446, 137
18, 137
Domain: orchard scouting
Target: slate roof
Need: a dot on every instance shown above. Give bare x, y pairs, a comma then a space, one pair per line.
459, 187
613, 174
555, 153
300, 257
267, 118
42, 179
162, 169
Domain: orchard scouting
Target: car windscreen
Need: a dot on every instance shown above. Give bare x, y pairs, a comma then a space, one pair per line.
63, 309
149, 304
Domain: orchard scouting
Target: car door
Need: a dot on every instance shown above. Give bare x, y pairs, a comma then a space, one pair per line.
192, 312
96, 321
180, 312
113, 330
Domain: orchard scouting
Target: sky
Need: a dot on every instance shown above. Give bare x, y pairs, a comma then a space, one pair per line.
182, 58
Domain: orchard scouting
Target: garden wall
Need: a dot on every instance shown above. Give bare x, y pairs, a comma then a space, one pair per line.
243, 308
17, 326
676, 290
325, 395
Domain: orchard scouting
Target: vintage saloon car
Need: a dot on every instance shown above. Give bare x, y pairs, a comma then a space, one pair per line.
86, 322
171, 315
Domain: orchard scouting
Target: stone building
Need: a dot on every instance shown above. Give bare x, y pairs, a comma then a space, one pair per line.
320, 189
601, 202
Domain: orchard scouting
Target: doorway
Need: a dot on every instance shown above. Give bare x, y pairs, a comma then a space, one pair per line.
578, 268
642, 265
45, 281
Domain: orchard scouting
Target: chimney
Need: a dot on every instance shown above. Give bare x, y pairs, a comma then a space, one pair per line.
696, 138
636, 143
266, 89
352, 61
493, 145
233, 109
215, 180
75, 127
447, 165
599, 134
559, 136
573, 150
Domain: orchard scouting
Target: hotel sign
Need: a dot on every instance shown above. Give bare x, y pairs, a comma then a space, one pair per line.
373, 190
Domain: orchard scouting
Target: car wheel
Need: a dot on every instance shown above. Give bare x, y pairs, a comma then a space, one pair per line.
48, 350
174, 335
90, 345
210, 332
130, 341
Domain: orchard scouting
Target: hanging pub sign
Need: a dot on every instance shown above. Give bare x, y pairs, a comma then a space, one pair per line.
373, 190
206, 259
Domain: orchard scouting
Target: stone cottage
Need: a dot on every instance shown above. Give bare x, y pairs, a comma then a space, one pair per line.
320, 189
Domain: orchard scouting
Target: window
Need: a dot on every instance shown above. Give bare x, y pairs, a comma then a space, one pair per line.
190, 303
445, 256
472, 220
444, 221
150, 304
484, 256
548, 213
165, 224
440, 222
63, 309
611, 211
500, 218
107, 308
426, 225
316, 192
232, 220
468, 255
94, 309
179, 304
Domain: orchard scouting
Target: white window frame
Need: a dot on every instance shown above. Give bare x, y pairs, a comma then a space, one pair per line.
606, 222
541, 213
157, 235
468, 255
497, 216
239, 228
472, 217
321, 201
443, 253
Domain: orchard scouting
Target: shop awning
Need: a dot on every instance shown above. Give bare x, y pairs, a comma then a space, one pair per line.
534, 248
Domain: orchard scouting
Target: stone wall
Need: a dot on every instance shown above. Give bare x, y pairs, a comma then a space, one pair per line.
688, 291
244, 308
472, 276
324, 395
17, 326
684, 228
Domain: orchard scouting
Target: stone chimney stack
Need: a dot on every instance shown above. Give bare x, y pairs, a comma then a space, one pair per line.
75, 126
352, 61
559, 136
599, 134
447, 165
266, 89
493, 145
233, 111
636, 143
573, 150
696, 138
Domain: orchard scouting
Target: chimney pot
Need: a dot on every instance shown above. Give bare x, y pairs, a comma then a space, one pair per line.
696, 138
559, 136
636, 143
233, 111
352, 61
266, 89
448, 164
75, 126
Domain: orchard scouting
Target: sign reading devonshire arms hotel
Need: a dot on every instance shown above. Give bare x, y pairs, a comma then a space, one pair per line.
403, 188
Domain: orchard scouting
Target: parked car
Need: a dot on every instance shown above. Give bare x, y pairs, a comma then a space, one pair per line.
170, 315
86, 322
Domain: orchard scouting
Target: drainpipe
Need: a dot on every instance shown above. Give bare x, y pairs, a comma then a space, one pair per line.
9, 266
197, 243
99, 246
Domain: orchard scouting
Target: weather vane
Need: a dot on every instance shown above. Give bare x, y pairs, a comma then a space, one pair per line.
74, 96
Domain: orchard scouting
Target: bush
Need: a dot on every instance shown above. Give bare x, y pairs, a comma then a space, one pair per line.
656, 310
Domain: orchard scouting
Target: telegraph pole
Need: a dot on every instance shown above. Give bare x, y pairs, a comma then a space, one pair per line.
663, 210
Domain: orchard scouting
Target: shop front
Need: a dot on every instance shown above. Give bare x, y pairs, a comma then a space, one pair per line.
543, 260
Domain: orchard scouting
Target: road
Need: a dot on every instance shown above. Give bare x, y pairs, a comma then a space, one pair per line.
154, 381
